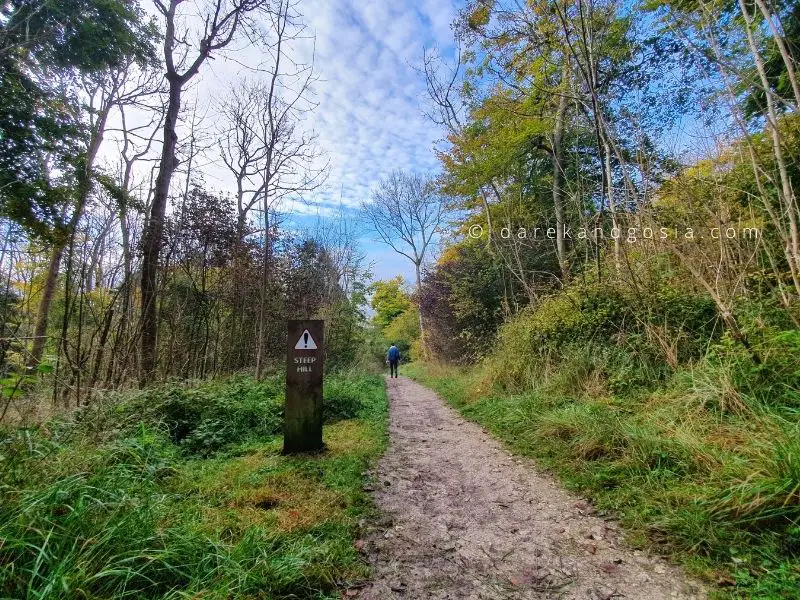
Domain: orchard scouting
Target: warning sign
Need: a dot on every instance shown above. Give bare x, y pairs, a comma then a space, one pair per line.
302, 424
306, 342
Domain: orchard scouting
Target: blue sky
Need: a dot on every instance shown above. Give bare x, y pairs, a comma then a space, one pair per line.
371, 97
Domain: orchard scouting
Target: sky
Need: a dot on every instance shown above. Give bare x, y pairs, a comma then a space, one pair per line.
370, 99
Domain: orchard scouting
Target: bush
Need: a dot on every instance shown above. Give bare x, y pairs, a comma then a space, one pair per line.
775, 379
404, 332
605, 332
211, 417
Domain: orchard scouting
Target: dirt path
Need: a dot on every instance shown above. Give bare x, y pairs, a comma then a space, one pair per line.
467, 520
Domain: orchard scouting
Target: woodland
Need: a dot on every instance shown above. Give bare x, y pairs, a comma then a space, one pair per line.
606, 276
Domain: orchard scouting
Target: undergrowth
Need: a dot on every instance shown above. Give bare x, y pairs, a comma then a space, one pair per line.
181, 491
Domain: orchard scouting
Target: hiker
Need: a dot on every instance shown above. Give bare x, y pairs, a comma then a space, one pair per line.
393, 357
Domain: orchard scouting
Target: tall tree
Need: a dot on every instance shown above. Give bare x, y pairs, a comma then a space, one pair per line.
46, 47
265, 147
222, 21
64, 67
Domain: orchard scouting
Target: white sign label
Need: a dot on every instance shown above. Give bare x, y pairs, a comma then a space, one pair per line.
306, 342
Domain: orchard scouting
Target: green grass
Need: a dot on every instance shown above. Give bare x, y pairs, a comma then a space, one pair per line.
718, 491
181, 492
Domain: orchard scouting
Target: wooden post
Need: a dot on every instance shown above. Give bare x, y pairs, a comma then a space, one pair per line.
302, 425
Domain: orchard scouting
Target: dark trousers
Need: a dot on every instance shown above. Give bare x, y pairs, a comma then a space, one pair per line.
393, 368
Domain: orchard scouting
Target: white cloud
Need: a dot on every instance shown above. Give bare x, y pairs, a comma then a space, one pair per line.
369, 118
370, 94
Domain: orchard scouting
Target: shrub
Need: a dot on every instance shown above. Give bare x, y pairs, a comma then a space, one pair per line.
605, 332
211, 417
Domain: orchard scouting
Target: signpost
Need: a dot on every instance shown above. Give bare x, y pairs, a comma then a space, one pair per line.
302, 425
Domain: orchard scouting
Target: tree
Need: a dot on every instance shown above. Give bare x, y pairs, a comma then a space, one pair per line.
406, 211
64, 69
781, 54
265, 148
46, 47
747, 55
222, 21
389, 301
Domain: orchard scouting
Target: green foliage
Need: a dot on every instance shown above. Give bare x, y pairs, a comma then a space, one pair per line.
41, 123
389, 301
629, 339
215, 417
201, 420
775, 379
346, 339
403, 331
462, 301
126, 513
396, 317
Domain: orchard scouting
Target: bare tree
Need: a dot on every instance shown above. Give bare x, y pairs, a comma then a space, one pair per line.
222, 21
406, 211
442, 84
265, 148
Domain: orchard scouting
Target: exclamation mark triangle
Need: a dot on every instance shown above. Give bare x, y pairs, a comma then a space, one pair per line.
306, 342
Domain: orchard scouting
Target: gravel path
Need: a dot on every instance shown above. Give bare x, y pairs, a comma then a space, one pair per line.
465, 519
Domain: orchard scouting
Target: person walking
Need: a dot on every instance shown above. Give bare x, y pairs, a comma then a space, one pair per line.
393, 358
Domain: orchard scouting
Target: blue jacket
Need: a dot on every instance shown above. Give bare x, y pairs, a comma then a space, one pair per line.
393, 354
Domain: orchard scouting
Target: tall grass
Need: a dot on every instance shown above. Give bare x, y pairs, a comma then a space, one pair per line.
181, 492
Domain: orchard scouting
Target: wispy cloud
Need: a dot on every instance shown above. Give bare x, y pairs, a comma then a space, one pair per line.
370, 91
371, 96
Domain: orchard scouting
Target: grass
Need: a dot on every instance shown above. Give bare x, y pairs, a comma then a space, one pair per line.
181, 492
709, 479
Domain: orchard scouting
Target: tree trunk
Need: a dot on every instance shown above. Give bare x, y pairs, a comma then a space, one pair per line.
262, 307
154, 232
239, 354
788, 61
612, 206
84, 188
40, 330
419, 304
785, 189
558, 181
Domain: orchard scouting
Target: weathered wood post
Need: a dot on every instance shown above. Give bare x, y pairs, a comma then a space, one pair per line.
302, 424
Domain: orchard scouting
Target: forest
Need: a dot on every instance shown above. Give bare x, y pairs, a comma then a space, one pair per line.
605, 265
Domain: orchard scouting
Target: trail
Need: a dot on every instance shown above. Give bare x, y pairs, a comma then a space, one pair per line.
464, 519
